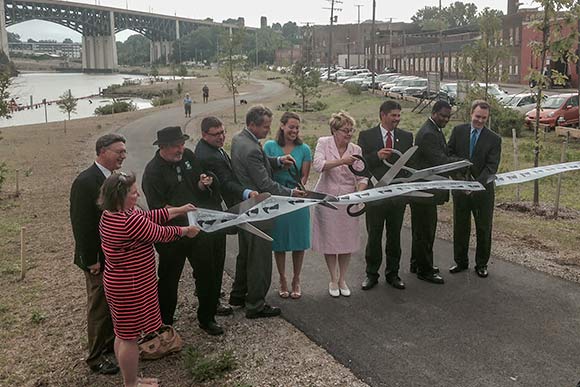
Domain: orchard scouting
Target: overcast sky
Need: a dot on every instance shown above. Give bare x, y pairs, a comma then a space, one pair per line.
299, 11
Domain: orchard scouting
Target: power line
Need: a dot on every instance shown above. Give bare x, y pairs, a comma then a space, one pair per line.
333, 19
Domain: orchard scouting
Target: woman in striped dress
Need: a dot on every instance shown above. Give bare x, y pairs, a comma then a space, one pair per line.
130, 281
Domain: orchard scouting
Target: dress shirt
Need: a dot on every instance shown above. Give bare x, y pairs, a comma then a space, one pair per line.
105, 171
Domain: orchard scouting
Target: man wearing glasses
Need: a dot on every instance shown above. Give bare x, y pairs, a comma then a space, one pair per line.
213, 158
377, 144
171, 179
85, 216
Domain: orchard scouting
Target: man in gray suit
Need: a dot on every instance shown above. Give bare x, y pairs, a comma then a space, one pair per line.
253, 169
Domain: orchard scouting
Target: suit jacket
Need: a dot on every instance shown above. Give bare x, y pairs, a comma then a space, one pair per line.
371, 140
486, 155
432, 151
252, 167
85, 216
213, 161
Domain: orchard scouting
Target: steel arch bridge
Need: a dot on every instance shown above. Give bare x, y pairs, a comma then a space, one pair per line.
98, 26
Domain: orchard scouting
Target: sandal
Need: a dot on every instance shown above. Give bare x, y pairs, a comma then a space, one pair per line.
296, 292
283, 292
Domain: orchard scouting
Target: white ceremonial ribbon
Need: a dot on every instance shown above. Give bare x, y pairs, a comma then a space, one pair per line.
531, 174
210, 220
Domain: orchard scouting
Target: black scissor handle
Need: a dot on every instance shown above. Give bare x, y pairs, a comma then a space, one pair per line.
295, 174
365, 172
354, 214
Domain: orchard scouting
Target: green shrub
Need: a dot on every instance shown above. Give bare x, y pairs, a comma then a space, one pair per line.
318, 106
160, 101
353, 89
115, 107
203, 368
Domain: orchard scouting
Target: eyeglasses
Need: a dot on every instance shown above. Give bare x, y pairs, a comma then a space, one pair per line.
347, 131
220, 133
119, 152
178, 170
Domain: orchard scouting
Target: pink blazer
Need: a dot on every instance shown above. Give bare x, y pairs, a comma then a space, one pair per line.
339, 180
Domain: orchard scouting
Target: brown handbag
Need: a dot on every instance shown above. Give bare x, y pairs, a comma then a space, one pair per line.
160, 343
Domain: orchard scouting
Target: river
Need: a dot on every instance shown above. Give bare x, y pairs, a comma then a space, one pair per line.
51, 86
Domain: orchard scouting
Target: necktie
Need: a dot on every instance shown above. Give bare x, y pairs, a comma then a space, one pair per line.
389, 141
472, 142
225, 156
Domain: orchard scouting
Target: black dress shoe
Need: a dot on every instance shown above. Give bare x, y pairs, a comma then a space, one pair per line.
223, 310
212, 328
369, 283
434, 278
481, 271
395, 282
457, 269
267, 311
234, 301
106, 367
413, 269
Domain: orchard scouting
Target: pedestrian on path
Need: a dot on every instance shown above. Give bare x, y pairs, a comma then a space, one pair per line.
205, 93
187, 105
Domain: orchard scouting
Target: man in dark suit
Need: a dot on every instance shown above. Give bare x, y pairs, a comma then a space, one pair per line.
377, 144
482, 147
85, 217
213, 158
432, 151
173, 178
253, 169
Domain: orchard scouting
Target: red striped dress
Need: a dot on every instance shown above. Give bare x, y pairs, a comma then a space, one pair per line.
130, 279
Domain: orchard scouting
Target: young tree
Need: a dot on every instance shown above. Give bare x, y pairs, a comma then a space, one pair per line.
483, 60
305, 82
4, 113
67, 103
556, 27
182, 72
233, 67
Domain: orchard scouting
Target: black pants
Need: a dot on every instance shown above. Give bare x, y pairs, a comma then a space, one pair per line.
481, 205
253, 269
390, 214
424, 227
99, 324
200, 252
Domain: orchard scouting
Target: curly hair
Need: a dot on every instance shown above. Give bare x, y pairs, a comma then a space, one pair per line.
340, 120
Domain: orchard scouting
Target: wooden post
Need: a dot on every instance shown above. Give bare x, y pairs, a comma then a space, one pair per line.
18, 182
516, 161
559, 186
22, 260
64, 126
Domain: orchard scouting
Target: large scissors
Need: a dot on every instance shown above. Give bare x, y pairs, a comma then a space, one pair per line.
326, 198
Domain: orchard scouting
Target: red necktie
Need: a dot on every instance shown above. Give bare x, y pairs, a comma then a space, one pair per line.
389, 142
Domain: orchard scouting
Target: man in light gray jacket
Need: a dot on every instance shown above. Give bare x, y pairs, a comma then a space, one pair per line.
253, 169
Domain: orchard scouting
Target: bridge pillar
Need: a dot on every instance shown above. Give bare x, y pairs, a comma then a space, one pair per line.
99, 53
3, 31
160, 49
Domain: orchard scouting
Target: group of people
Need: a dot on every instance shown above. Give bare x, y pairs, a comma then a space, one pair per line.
115, 240
187, 101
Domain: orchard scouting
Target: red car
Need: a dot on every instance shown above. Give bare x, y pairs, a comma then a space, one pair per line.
557, 110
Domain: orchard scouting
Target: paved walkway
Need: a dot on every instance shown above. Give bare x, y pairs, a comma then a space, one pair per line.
516, 328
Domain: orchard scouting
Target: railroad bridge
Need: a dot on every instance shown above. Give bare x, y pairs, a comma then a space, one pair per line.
98, 26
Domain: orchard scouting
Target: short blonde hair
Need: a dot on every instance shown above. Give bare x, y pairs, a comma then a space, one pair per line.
340, 120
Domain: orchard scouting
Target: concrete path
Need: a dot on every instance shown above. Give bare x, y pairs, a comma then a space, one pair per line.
517, 327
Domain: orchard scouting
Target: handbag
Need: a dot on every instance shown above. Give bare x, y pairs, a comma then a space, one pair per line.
160, 343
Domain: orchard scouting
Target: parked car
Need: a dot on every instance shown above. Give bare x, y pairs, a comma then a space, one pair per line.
378, 80
343, 75
561, 110
523, 102
358, 80
417, 88
448, 92
394, 82
403, 84
390, 70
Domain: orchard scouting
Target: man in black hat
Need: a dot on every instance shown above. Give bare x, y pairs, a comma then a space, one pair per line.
171, 179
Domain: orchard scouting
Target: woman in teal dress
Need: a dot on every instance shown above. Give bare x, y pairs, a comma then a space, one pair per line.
291, 231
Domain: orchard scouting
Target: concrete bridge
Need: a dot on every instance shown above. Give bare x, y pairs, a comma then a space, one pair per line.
98, 26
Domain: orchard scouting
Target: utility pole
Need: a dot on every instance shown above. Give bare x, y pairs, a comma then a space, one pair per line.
332, 20
391, 43
441, 60
348, 51
373, 48
360, 38
256, 48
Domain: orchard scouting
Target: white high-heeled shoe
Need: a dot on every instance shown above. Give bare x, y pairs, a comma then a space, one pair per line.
345, 291
333, 291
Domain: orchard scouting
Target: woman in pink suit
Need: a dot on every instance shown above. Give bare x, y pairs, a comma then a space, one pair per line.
332, 157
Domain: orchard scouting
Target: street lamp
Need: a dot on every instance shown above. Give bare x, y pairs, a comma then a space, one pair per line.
373, 48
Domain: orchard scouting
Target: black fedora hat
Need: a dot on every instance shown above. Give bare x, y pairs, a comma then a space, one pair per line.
170, 135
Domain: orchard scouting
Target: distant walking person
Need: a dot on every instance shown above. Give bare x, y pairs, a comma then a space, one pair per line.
205, 93
85, 216
187, 105
482, 147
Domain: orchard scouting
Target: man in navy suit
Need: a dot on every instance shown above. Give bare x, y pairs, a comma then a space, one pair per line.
377, 144
482, 147
85, 217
